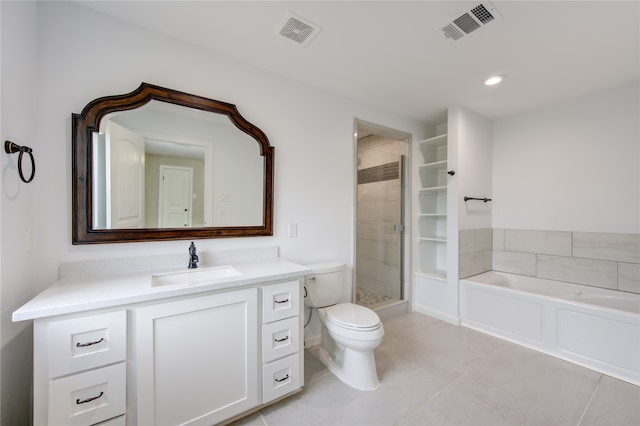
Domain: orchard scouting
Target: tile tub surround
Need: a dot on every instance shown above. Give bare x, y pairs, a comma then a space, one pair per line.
590, 258
435, 373
475, 251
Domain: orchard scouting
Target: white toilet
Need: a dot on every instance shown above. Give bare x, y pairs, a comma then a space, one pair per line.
350, 332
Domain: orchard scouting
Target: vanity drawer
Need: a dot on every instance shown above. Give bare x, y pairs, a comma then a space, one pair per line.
118, 421
280, 338
88, 398
280, 301
83, 343
280, 377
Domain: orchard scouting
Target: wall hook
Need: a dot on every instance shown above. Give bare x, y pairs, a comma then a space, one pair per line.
12, 148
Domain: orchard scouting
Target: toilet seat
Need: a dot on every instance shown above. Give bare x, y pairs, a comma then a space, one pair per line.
352, 317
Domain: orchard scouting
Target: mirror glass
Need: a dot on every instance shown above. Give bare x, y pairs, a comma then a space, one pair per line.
159, 164
169, 166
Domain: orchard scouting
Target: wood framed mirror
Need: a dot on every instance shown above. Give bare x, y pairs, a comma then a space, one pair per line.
159, 164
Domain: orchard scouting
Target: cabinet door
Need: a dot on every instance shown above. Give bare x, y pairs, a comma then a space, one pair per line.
196, 359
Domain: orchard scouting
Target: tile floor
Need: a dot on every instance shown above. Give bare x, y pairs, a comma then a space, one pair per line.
433, 373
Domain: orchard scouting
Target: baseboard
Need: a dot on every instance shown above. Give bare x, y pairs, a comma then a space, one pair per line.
311, 341
435, 314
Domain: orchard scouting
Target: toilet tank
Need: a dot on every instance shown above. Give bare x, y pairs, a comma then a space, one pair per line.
323, 286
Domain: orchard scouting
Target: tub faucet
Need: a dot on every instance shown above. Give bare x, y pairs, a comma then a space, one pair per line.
193, 257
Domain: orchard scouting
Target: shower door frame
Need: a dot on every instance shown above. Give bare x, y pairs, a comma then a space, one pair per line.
404, 305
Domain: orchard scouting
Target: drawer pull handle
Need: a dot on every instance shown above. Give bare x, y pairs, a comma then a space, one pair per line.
84, 401
285, 338
282, 301
283, 379
83, 345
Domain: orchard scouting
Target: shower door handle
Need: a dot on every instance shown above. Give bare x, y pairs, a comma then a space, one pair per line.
398, 227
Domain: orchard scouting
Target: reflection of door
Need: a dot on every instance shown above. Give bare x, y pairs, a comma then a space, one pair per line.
175, 197
125, 178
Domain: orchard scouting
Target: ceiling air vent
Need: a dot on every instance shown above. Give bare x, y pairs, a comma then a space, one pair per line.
298, 29
469, 21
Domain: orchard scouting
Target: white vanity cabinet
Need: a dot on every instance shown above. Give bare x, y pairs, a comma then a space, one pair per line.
79, 369
203, 360
115, 350
196, 360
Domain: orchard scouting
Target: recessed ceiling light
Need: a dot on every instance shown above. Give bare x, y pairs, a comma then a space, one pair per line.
494, 79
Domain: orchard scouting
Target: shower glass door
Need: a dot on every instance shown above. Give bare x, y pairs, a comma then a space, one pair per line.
379, 233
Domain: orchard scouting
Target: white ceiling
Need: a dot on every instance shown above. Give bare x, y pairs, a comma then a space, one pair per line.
392, 54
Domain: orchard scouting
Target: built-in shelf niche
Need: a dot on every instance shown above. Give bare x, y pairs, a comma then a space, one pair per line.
434, 149
432, 216
433, 227
433, 258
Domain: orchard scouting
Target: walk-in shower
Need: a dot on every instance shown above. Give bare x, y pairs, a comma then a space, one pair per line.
380, 221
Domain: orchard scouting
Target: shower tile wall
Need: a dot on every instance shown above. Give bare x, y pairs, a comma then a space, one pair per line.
475, 251
378, 251
590, 258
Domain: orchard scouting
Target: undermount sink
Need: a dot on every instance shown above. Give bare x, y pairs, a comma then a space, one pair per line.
189, 276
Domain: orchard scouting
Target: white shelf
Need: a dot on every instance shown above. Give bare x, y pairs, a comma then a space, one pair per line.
432, 202
432, 229
434, 149
436, 141
436, 165
437, 274
433, 189
433, 174
435, 239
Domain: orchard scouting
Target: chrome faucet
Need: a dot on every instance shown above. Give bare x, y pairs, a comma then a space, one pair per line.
193, 257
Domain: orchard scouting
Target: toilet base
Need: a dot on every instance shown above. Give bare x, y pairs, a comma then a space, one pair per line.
355, 368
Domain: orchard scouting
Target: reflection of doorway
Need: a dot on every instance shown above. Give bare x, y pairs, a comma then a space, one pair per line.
180, 151
382, 208
175, 196
124, 175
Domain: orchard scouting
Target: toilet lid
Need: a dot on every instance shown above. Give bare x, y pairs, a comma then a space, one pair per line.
349, 315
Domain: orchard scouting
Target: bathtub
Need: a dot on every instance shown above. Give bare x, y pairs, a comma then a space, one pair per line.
593, 327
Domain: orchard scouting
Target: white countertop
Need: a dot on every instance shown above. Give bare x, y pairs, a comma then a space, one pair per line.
80, 293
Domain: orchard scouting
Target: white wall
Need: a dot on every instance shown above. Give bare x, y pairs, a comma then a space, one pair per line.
570, 167
59, 56
313, 145
19, 109
474, 169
